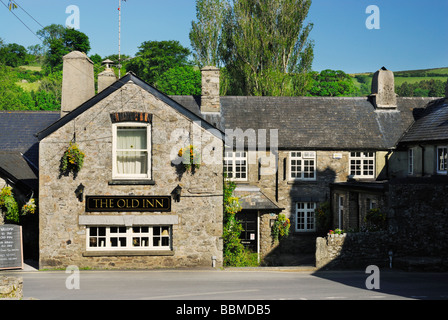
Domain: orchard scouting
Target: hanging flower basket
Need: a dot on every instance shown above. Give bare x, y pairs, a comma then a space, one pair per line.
72, 160
191, 158
281, 226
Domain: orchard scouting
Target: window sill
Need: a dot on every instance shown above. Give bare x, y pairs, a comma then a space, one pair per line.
129, 182
120, 253
301, 181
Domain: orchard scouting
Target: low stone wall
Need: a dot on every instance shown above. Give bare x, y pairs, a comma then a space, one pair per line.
359, 250
11, 288
352, 250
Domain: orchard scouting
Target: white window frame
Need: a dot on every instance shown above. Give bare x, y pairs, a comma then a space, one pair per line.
410, 161
442, 167
238, 160
115, 174
304, 165
361, 157
306, 211
129, 234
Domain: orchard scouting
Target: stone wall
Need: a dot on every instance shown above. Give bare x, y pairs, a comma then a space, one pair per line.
11, 288
417, 217
197, 235
352, 250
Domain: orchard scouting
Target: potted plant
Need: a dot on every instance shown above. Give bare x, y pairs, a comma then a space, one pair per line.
191, 158
72, 160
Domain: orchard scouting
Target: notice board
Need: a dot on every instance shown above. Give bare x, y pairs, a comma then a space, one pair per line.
11, 248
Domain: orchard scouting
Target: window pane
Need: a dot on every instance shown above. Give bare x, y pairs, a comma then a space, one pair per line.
132, 162
131, 138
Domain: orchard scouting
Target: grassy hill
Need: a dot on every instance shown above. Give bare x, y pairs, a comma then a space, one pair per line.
412, 77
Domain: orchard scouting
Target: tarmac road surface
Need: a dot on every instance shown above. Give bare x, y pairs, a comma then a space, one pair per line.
231, 285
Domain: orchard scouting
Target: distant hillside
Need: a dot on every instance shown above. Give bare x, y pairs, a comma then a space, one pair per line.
410, 83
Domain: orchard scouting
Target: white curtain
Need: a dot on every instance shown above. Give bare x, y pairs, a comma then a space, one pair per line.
132, 154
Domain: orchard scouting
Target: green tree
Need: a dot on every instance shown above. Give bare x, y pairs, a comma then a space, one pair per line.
13, 55
12, 96
332, 83
70, 40
180, 81
205, 33
265, 47
156, 57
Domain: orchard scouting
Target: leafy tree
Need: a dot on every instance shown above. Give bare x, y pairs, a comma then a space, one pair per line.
265, 43
12, 96
13, 55
205, 34
70, 40
332, 83
424, 88
156, 57
180, 81
96, 59
50, 33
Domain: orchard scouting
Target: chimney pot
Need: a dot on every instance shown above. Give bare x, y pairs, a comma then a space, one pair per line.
78, 83
107, 77
383, 90
210, 100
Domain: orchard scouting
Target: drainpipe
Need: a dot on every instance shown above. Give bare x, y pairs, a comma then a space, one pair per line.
386, 158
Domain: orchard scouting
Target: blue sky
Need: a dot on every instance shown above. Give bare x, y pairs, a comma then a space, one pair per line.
413, 34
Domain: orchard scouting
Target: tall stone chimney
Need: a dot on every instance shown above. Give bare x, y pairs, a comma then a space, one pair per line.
78, 83
107, 77
383, 90
210, 101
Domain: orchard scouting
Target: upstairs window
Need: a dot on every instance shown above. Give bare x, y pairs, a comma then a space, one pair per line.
302, 165
362, 164
131, 151
235, 165
442, 160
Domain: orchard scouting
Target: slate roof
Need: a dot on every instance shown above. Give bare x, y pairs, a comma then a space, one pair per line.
18, 129
17, 170
251, 198
116, 86
431, 124
315, 123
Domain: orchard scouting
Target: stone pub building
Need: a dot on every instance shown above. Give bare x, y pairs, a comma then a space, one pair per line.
133, 204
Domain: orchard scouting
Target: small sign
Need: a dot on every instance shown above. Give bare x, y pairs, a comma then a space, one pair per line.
11, 249
337, 155
128, 203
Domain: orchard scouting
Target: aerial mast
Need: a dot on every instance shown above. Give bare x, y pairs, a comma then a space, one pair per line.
119, 38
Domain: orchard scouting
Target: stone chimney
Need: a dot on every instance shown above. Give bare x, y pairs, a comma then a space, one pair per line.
107, 77
78, 83
383, 90
210, 101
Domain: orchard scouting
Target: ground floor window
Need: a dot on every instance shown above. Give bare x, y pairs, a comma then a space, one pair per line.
305, 220
442, 159
129, 238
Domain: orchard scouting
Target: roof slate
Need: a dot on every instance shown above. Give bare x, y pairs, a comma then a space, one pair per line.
18, 129
317, 123
431, 124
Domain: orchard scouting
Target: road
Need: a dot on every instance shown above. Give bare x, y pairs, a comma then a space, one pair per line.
230, 285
